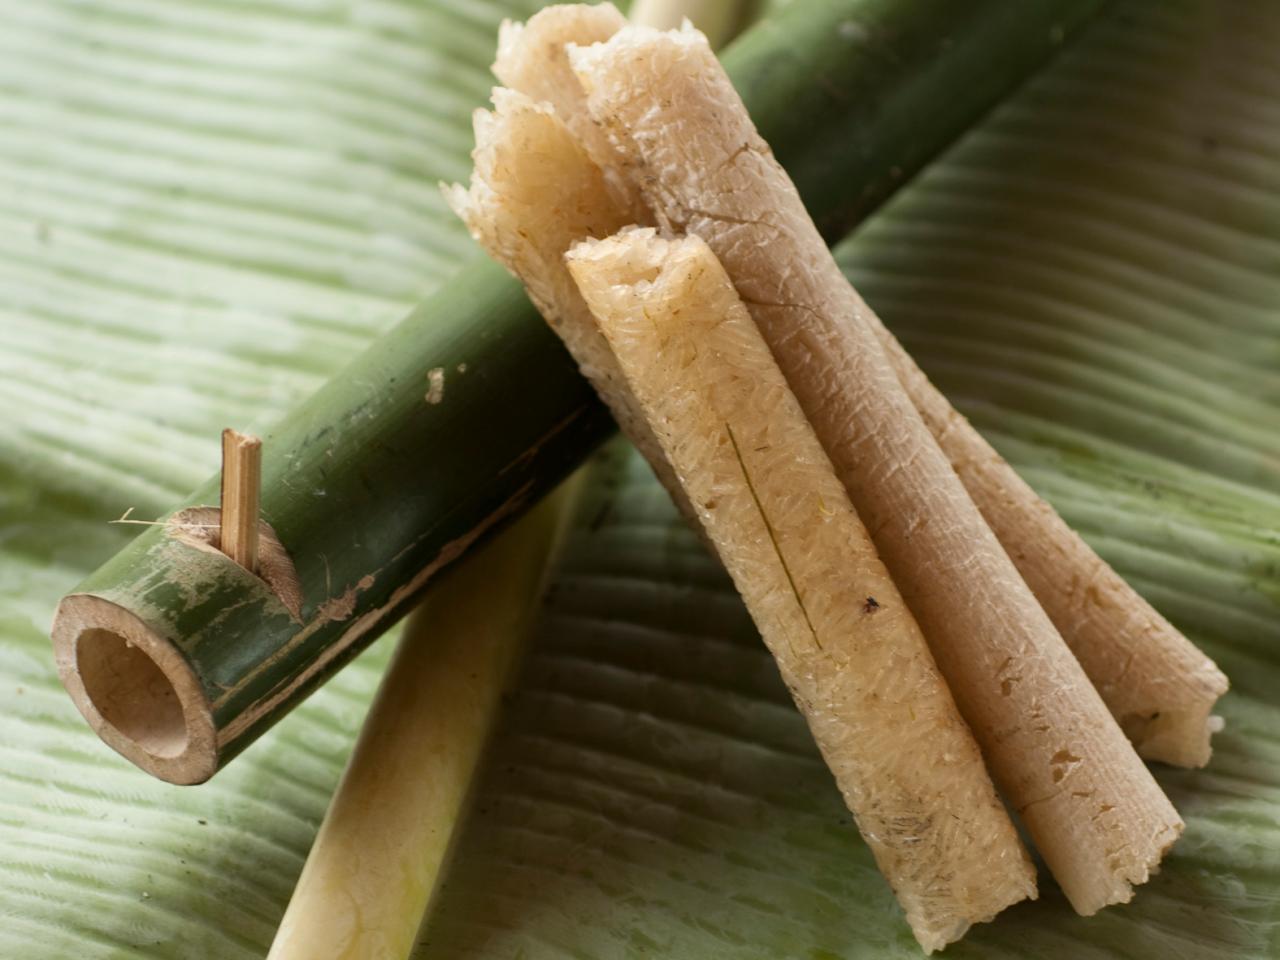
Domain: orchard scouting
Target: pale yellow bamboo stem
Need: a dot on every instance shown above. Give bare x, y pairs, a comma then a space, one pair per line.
1094, 811
241, 488
385, 840
848, 647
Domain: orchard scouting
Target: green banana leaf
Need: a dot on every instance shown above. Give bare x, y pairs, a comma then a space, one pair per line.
206, 208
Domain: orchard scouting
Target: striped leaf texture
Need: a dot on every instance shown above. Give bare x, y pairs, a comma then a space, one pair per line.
206, 208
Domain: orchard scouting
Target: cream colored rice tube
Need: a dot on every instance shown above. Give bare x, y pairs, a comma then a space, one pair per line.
1092, 808
1159, 687
846, 644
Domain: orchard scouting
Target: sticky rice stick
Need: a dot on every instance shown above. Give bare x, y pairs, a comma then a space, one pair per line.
1158, 686
846, 644
1092, 808
1156, 683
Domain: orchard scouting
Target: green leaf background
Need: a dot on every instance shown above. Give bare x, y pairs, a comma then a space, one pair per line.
205, 208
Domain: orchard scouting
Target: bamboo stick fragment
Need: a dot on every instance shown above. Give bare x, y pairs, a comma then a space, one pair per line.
1157, 684
1094, 811
241, 489
845, 642
383, 847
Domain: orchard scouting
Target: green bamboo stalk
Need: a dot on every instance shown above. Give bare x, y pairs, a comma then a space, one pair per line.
468, 411
855, 97
452, 424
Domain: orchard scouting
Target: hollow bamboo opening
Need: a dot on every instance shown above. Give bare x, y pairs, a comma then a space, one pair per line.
135, 689
131, 692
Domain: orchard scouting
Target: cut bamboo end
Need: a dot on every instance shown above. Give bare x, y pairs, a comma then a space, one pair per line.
135, 689
241, 489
